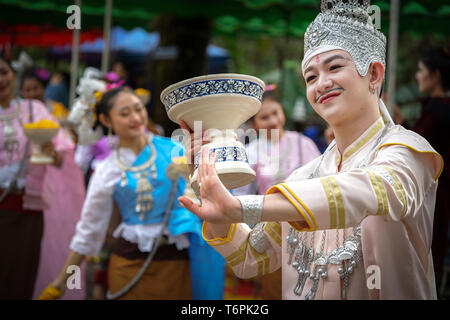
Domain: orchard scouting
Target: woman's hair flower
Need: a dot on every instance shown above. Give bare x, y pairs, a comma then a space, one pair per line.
98, 95
270, 87
114, 85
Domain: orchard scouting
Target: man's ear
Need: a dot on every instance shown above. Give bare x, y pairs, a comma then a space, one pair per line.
104, 120
376, 74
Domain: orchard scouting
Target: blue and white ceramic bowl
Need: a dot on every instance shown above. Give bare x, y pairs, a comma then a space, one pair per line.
222, 102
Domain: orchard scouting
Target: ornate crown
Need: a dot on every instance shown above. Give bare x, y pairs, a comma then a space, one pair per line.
346, 24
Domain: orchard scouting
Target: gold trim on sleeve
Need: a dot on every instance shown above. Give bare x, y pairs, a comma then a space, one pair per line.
238, 256
339, 201
383, 195
219, 240
273, 229
302, 204
414, 149
280, 188
331, 202
398, 189
377, 192
263, 261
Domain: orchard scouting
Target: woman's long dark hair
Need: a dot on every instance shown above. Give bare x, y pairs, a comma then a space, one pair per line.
439, 60
105, 105
8, 62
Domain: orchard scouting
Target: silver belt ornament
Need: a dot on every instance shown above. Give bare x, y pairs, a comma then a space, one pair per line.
314, 265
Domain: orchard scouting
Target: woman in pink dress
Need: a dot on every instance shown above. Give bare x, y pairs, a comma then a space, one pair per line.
37, 202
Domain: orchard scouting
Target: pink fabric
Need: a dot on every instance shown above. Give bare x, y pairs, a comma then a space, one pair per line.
295, 150
35, 173
59, 192
101, 149
16, 156
66, 185
392, 198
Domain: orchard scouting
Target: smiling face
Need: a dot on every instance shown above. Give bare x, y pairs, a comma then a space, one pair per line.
335, 89
7, 80
127, 117
269, 117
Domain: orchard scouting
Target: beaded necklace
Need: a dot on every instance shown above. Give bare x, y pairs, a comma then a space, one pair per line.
142, 173
11, 142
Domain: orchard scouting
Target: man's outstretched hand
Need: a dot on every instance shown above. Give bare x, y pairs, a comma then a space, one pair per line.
218, 204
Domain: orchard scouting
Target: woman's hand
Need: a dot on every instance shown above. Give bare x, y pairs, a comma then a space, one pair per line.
57, 288
52, 292
49, 149
218, 205
193, 144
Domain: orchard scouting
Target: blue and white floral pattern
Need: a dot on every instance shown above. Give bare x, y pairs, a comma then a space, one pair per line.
210, 87
224, 154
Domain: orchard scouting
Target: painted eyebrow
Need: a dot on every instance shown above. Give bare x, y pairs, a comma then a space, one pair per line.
335, 57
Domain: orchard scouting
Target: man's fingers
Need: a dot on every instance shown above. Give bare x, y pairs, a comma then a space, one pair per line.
184, 126
201, 172
205, 162
200, 140
212, 165
188, 204
196, 150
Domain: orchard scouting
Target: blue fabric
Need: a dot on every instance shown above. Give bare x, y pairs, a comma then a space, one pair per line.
207, 266
314, 133
57, 92
207, 270
181, 220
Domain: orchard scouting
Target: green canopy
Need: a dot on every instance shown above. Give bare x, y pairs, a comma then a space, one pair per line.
250, 17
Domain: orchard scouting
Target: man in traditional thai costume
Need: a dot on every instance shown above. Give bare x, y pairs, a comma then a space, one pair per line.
273, 158
355, 223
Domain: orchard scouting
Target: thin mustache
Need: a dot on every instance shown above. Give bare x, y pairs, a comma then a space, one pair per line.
322, 95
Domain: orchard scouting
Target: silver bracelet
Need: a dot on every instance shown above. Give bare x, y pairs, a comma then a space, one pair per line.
252, 208
258, 238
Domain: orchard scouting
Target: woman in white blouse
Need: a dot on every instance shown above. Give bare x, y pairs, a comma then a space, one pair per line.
132, 182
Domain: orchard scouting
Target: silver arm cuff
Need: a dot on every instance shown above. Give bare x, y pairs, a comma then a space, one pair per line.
252, 208
258, 239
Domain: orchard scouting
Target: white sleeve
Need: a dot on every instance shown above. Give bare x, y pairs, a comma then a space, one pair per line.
83, 156
96, 213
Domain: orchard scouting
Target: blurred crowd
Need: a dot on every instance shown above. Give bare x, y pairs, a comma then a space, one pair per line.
38, 246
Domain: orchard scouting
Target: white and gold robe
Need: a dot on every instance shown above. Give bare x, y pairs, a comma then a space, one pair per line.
393, 199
